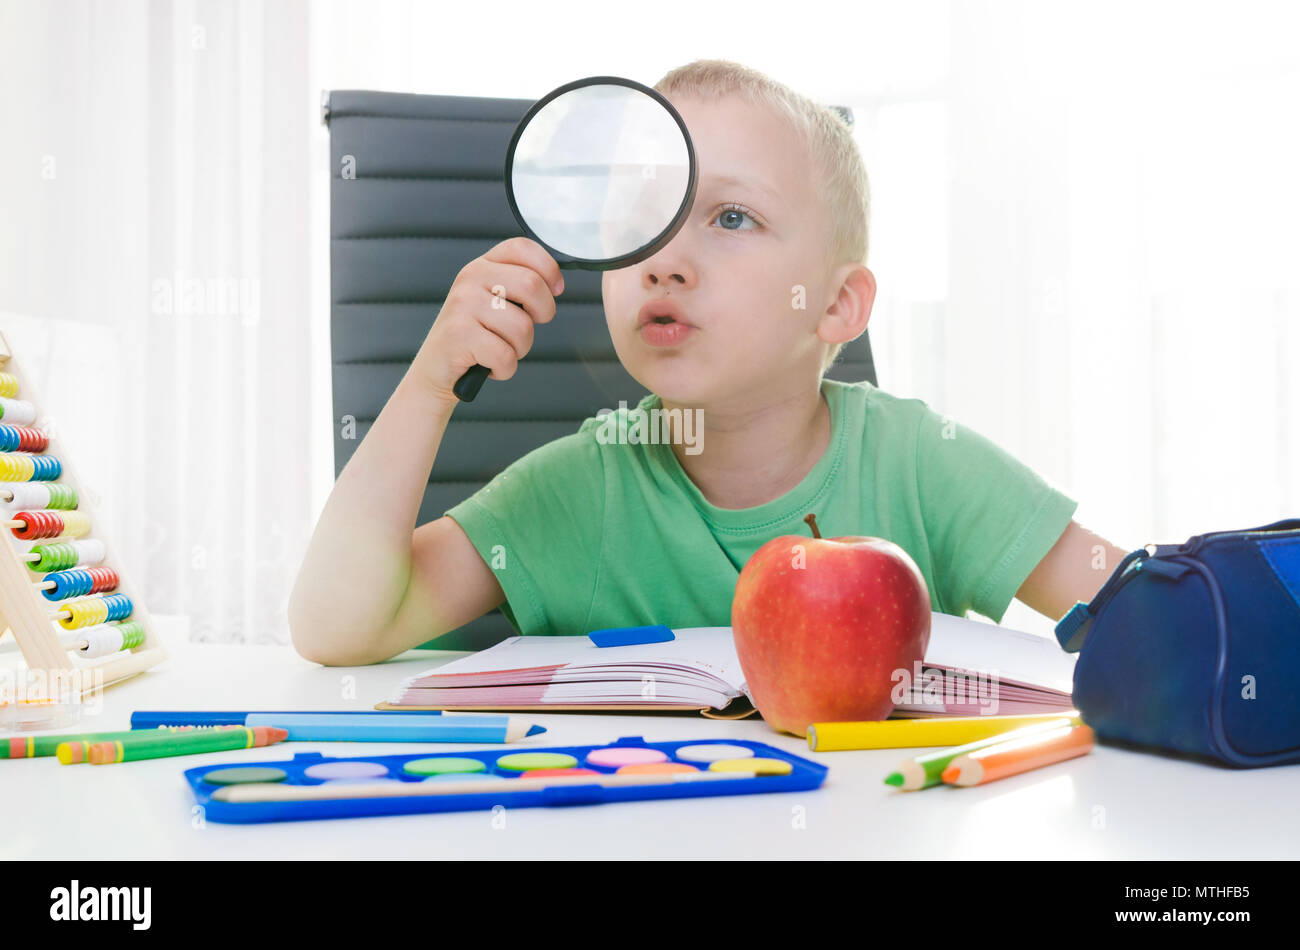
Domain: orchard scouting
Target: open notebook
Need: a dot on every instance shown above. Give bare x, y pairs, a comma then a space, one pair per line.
970, 669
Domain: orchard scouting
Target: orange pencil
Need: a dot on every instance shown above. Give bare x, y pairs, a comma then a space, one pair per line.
1019, 755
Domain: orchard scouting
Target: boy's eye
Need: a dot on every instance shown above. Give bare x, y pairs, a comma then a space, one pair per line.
732, 218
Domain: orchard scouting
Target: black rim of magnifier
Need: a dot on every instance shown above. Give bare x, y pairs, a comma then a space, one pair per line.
646, 250
472, 379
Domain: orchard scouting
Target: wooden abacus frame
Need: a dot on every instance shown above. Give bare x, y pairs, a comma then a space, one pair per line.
26, 612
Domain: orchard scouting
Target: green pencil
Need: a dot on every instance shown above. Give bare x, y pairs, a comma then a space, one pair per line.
26, 747
926, 771
186, 743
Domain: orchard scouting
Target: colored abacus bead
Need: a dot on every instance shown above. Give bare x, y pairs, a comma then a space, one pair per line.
37, 524
51, 524
17, 468
8, 385
44, 558
119, 606
76, 524
33, 495
47, 468
93, 610
107, 638
17, 412
22, 439
80, 581
83, 613
52, 557
61, 496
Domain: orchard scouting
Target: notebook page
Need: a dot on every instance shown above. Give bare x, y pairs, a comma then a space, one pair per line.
956, 643
708, 650
1018, 658
626, 691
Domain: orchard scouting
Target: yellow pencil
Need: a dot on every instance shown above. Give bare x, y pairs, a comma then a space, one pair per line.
919, 733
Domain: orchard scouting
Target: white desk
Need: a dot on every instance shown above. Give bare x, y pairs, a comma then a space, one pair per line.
1110, 804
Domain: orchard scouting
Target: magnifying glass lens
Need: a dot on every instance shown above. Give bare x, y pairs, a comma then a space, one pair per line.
600, 172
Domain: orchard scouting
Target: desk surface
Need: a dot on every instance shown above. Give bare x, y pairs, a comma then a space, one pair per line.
1112, 804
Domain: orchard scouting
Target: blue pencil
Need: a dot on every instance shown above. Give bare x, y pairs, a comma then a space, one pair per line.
152, 719
382, 727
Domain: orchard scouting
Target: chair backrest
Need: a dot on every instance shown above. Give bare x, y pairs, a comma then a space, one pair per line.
416, 192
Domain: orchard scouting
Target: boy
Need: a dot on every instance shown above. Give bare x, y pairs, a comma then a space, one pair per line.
734, 321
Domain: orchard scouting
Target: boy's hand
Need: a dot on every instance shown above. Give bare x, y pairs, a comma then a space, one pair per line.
488, 316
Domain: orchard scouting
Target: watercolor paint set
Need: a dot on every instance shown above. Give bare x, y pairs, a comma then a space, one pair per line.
313, 786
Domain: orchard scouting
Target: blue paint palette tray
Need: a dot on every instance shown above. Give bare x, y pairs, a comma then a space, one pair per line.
312, 785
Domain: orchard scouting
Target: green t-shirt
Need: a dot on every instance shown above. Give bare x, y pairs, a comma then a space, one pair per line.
588, 532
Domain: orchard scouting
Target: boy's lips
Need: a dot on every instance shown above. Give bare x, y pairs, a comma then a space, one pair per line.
663, 307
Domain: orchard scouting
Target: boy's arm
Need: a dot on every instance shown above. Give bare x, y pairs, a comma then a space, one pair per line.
1073, 570
371, 583
365, 556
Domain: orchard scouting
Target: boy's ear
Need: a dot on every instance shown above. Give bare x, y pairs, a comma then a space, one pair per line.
850, 309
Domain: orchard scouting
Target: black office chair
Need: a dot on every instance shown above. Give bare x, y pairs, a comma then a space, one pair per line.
416, 192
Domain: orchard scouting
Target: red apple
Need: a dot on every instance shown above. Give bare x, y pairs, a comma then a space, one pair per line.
821, 624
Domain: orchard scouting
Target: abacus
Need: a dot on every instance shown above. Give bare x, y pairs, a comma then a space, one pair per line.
62, 593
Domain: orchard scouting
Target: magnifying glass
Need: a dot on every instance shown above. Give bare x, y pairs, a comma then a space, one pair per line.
600, 172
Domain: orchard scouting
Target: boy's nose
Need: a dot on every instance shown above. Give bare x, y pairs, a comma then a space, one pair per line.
669, 267
655, 279
673, 264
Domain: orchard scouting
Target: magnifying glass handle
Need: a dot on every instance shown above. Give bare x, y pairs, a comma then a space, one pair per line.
468, 385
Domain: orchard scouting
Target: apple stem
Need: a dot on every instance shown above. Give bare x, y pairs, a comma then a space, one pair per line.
812, 523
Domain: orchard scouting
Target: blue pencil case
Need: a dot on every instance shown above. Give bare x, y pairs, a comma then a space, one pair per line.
425, 782
1195, 647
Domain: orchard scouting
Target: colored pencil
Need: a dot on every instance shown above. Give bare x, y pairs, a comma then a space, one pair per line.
385, 727
917, 733
26, 747
150, 718
1019, 755
150, 746
265, 792
926, 771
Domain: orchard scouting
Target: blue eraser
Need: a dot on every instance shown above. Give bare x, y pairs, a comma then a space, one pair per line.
630, 636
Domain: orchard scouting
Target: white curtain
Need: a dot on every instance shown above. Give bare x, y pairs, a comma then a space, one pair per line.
1084, 235
156, 247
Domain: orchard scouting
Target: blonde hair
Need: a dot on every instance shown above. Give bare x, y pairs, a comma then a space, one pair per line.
840, 171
